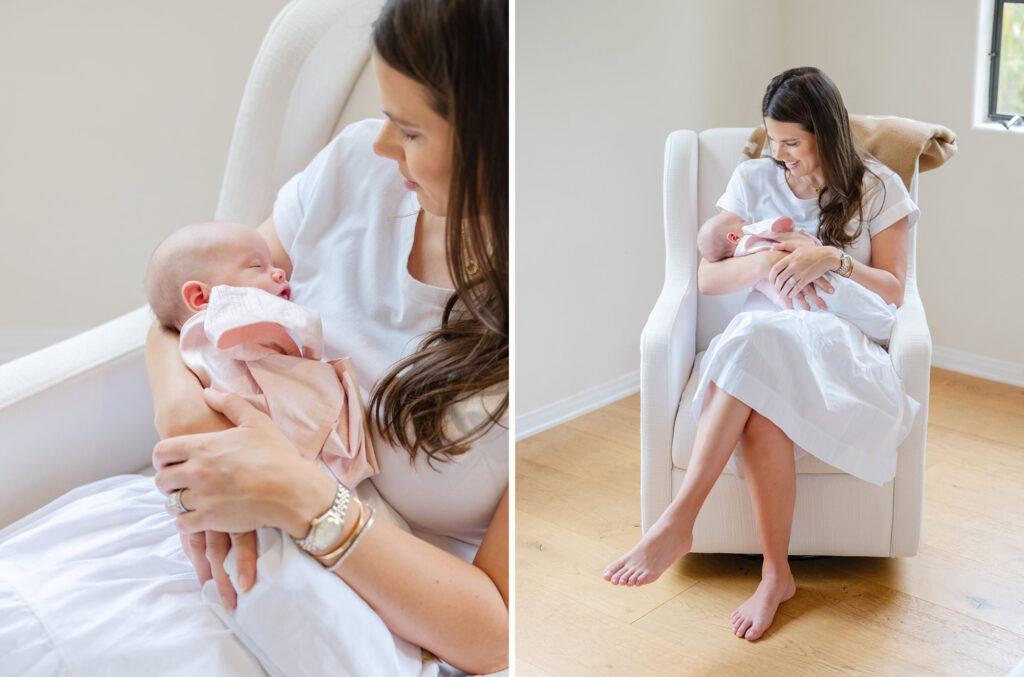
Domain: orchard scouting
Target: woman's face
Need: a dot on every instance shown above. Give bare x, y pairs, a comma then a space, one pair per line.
792, 144
415, 137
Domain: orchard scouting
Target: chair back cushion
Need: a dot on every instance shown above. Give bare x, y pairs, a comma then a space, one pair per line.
719, 151
311, 77
363, 100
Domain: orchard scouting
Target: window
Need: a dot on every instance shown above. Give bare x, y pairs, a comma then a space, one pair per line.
1006, 87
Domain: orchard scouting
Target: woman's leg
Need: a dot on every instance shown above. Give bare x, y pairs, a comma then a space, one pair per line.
771, 478
718, 430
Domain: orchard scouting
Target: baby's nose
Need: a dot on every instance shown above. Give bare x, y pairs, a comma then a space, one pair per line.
277, 275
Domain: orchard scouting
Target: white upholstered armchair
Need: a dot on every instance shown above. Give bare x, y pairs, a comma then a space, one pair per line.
81, 410
836, 513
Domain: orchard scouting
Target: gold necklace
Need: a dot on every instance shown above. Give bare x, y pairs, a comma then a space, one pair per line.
818, 190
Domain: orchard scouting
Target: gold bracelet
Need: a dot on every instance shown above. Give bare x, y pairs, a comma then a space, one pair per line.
362, 530
325, 558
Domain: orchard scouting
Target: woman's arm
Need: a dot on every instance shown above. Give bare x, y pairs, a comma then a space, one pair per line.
457, 610
178, 402
732, 274
250, 476
887, 277
887, 274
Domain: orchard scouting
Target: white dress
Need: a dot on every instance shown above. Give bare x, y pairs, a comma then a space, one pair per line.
96, 582
833, 391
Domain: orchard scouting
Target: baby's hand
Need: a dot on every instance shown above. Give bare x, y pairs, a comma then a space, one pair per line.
790, 241
783, 224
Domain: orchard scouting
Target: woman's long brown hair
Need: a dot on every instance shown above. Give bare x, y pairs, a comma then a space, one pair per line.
809, 97
458, 50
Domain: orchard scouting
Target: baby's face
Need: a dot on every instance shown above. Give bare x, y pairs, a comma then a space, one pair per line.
244, 261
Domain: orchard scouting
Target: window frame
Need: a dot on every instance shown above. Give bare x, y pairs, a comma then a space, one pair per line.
997, 43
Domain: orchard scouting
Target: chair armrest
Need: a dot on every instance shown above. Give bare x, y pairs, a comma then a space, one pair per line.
668, 343
911, 351
73, 413
667, 351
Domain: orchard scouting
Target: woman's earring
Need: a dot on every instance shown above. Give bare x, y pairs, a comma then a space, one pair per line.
472, 268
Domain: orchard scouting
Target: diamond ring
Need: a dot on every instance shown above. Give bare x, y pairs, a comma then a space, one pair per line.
173, 503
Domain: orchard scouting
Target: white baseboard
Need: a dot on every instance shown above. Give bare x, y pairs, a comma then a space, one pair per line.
15, 343
978, 365
550, 415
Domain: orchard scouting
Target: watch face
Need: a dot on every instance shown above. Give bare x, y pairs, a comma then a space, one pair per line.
326, 534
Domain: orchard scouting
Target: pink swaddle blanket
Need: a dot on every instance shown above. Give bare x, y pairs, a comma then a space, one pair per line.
268, 350
851, 300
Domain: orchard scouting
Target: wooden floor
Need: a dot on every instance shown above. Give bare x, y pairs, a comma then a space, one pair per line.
956, 608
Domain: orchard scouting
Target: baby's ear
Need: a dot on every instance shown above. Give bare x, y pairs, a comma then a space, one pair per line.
196, 295
732, 237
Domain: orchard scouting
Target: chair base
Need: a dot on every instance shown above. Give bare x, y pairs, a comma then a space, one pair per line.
823, 521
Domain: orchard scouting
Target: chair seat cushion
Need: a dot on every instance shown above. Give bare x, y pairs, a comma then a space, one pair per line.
685, 430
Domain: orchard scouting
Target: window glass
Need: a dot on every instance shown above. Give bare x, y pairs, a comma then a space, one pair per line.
1010, 92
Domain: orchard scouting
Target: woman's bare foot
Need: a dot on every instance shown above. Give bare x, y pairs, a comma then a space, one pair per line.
753, 617
657, 550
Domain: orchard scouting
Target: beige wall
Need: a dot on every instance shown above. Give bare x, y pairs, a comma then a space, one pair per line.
114, 129
599, 85
598, 91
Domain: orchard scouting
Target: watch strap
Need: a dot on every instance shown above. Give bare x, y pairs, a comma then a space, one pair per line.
336, 513
846, 267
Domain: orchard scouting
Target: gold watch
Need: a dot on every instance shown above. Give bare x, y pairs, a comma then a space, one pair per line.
845, 268
325, 530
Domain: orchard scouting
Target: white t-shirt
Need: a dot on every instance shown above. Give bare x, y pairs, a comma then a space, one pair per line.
347, 223
758, 190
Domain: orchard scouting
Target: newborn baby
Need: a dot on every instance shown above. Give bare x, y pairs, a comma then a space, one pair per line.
192, 260
240, 333
851, 301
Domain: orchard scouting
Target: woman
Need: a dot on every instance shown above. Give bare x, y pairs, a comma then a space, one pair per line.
398, 234
824, 375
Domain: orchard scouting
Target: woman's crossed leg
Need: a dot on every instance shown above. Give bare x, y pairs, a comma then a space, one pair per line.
771, 479
718, 430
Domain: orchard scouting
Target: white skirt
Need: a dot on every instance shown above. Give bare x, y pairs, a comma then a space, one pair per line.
832, 391
97, 583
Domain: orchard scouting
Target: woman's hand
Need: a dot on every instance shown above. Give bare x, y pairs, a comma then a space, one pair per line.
240, 479
797, 278
207, 551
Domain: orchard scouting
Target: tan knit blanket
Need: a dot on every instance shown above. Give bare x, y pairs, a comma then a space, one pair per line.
898, 143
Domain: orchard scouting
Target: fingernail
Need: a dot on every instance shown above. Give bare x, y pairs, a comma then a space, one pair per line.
245, 580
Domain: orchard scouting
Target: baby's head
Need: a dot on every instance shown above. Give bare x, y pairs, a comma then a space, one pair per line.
718, 241
196, 258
